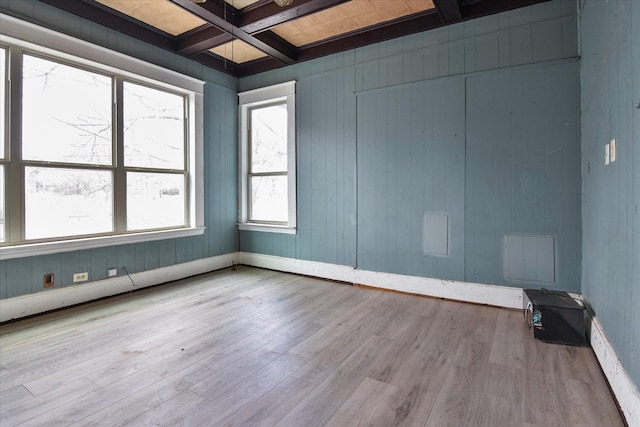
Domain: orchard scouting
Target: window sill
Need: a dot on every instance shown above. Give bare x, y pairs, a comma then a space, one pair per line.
21, 251
267, 228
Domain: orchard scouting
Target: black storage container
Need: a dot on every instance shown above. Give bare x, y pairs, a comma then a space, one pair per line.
554, 316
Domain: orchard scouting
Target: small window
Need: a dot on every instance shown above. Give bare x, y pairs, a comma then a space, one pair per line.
267, 159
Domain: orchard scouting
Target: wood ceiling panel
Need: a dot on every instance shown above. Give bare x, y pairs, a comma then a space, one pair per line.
418, 5
161, 14
270, 36
241, 4
238, 51
347, 17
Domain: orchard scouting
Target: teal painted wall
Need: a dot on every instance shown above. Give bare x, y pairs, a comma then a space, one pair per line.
523, 169
610, 81
24, 275
411, 160
478, 121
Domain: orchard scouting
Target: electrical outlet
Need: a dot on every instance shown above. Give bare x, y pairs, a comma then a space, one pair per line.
48, 280
80, 277
112, 272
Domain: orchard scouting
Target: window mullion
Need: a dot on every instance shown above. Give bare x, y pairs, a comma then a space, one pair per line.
14, 219
187, 154
120, 175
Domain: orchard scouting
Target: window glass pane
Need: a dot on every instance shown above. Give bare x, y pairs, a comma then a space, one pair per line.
66, 113
155, 200
269, 198
2, 193
269, 139
154, 134
2, 99
67, 202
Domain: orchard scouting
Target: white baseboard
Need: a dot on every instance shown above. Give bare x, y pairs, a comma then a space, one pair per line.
290, 265
27, 305
501, 296
624, 390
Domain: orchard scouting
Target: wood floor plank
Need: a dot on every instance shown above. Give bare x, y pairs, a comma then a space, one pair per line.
42, 404
43, 344
188, 352
581, 397
342, 324
507, 347
339, 347
253, 347
125, 410
272, 406
28, 371
475, 390
224, 406
14, 396
542, 407
140, 356
171, 412
429, 348
320, 405
89, 367
95, 400
228, 376
367, 406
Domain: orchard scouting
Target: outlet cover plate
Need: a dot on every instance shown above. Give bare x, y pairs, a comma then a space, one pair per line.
48, 280
81, 277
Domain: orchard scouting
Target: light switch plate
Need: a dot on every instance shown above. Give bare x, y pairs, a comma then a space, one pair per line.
612, 151
606, 154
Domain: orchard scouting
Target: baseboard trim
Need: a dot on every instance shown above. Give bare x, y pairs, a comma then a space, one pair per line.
501, 296
323, 270
624, 390
28, 305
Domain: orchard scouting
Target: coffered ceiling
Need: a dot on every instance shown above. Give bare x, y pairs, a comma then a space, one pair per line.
244, 37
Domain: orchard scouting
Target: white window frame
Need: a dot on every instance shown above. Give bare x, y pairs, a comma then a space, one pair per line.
28, 36
248, 100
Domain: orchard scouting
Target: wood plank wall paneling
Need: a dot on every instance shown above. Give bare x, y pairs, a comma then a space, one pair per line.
414, 121
411, 161
522, 174
24, 275
610, 82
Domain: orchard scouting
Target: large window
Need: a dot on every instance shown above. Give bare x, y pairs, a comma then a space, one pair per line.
94, 153
267, 159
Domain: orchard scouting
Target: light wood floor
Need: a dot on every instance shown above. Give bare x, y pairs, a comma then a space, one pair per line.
253, 347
